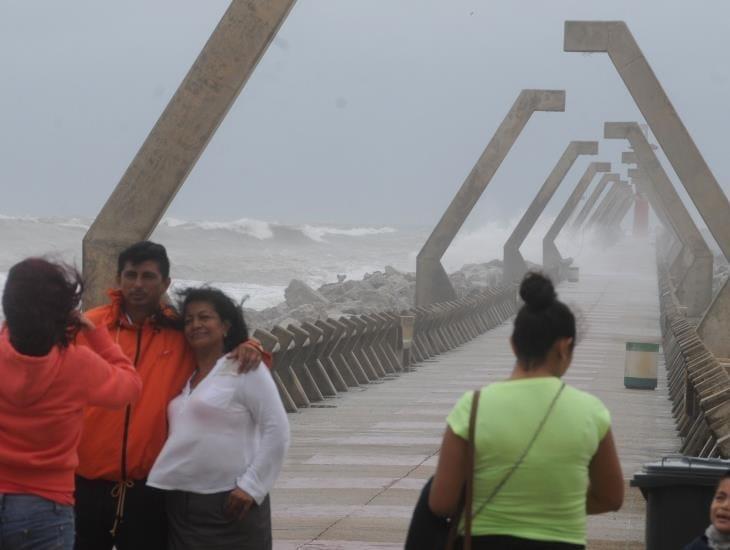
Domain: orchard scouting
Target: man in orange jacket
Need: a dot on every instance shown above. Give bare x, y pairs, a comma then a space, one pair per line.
114, 506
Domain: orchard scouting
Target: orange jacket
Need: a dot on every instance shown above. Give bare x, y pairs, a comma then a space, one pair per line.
164, 362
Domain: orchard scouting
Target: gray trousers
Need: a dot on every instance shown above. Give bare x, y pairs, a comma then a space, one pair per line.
198, 522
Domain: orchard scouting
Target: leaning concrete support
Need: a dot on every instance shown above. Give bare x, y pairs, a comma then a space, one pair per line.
620, 209
678, 256
432, 283
615, 38
336, 352
593, 199
283, 366
514, 264
604, 205
298, 365
551, 258
638, 179
328, 342
178, 139
624, 209
697, 286
327, 378
271, 344
346, 351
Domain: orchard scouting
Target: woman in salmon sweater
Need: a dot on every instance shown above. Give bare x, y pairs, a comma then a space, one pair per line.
46, 383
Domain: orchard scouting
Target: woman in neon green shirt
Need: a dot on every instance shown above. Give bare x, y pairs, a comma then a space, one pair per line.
544, 453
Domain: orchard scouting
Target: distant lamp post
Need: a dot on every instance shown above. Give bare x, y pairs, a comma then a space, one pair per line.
407, 324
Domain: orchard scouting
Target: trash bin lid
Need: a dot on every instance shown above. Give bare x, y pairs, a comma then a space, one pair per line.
681, 470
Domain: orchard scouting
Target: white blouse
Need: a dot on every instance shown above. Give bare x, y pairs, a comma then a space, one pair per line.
230, 430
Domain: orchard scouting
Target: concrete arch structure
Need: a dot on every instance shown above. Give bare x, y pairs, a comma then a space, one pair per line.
179, 137
551, 258
615, 39
696, 283
624, 204
432, 282
514, 264
593, 199
604, 206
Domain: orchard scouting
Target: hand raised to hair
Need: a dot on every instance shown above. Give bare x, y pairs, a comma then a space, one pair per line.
84, 322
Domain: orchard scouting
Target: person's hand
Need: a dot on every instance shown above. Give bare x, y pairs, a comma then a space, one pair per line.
238, 504
247, 355
84, 322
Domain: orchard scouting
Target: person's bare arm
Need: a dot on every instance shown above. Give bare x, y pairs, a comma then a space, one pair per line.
606, 488
449, 479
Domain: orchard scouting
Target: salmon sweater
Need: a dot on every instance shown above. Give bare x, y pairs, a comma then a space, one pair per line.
42, 401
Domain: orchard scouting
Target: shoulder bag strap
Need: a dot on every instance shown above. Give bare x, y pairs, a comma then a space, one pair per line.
519, 461
470, 457
468, 492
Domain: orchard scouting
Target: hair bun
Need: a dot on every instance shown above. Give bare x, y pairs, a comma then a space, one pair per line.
537, 291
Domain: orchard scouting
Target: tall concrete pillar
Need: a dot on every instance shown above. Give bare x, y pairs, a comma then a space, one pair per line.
179, 137
551, 257
590, 203
641, 217
640, 182
605, 205
615, 38
679, 257
432, 282
514, 264
622, 208
697, 285
608, 221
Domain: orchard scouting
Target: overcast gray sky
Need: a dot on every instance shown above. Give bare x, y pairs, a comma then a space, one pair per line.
362, 111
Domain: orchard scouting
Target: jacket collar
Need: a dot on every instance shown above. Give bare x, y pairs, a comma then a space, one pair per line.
116, 316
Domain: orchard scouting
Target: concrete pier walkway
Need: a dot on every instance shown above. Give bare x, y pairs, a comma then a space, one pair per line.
354, 472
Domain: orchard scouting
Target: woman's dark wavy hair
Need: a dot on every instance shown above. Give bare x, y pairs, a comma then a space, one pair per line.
225, 307
541, 321
40, 301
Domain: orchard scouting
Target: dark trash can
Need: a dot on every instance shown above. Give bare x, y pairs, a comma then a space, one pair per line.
678, 492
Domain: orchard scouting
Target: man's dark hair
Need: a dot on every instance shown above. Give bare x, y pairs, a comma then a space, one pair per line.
225, 307
144, 251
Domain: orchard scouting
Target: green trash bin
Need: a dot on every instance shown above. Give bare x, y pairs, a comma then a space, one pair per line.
678, 492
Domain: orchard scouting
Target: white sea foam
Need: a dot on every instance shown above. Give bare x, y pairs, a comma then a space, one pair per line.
246, 226
317, 233
253, 296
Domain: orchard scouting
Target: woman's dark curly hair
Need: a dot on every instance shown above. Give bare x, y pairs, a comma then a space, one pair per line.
225, 307
40, 302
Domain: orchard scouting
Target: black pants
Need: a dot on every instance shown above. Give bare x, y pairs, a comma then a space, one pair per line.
143, 526
491, 542
198, 522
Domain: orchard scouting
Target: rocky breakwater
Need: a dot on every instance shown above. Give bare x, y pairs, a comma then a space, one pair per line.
388, 290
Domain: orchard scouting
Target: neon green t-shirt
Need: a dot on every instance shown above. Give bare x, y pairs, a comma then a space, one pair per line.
545, 499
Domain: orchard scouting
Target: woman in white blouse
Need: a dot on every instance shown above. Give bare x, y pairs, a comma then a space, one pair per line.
228, 437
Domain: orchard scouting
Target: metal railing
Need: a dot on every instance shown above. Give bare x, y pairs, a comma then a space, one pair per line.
317, 360
699, 385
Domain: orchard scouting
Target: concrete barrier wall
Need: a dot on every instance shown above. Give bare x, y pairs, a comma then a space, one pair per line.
313, 361
699, 385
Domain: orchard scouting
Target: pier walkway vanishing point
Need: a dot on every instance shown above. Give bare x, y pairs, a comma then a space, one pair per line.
358, 461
